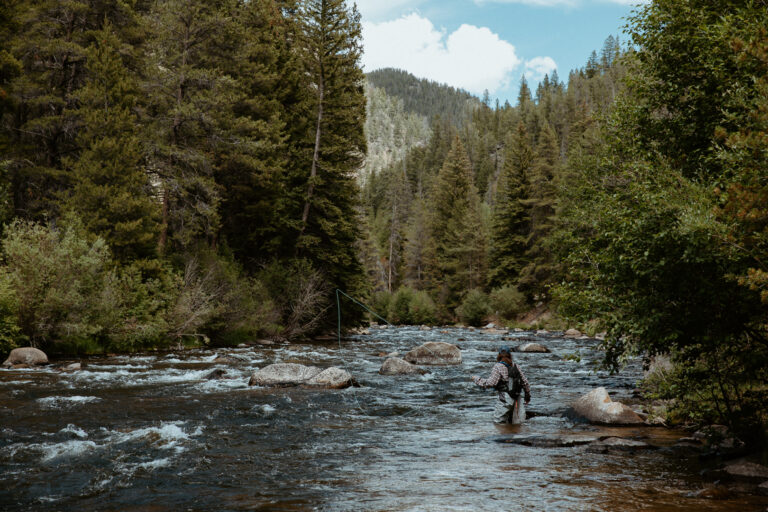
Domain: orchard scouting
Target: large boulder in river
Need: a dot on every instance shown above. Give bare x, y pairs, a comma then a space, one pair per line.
597, 407
397, 366
532, 347
292, 374
434, 353
331, 378
26, 355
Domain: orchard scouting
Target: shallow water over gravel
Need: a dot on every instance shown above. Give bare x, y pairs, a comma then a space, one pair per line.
150, 433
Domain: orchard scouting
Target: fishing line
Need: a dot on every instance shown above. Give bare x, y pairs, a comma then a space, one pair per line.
338, 330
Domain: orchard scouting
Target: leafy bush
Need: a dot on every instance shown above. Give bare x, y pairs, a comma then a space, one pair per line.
57, 277
413, 307
380, 304
474, 308
10, 334
507, 302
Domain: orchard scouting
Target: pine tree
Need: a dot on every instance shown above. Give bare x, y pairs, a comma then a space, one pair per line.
456, 228
536, 275
110, 191
511, 214
251, 168
331, 39
190, 110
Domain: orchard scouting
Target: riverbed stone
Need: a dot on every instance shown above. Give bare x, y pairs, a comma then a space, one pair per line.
572, 333
332, 378
434, 353
545, 441
283, 374
744, 470
619, 443
231, 359
26, 355
597, 407
397, 366
532, 347
73, 367
216, 374
762, 489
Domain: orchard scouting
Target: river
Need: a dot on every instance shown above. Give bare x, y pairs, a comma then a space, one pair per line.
149, 433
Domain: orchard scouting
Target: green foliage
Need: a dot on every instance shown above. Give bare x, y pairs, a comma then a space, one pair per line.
475, 308
507, 302
411, 307
10, 334
380, 302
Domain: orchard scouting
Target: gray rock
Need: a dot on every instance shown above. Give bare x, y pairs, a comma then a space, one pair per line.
26, 355
216, 374
763, 488
231, 359
425, 328
332, 378
490, 326
572, 333
283, 374
434, 353
291, 374
397, 366
618, 444
744, 470
73, 367
532, 347
542, 331
543, 441
597, 407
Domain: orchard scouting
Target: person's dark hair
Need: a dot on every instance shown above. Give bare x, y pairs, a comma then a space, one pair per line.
505, 357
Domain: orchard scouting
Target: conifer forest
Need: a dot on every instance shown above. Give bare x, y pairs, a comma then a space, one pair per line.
203, 173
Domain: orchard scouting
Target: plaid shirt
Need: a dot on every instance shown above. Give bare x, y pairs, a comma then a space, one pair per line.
500, 372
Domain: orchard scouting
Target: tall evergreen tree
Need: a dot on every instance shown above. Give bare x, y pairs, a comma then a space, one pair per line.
511, 213
535, 276
456, 227
336, 146
110, 190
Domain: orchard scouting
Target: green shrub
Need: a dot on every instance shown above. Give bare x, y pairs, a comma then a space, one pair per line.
57, 277
507, 302
411, 307
10, 334
474, 308
380, 304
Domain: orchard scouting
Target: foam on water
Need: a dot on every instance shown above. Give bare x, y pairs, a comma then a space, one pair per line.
55, 402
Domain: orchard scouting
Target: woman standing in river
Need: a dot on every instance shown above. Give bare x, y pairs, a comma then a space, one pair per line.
509, 380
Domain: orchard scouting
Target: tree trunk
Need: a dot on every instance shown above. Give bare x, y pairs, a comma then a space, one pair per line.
316, 154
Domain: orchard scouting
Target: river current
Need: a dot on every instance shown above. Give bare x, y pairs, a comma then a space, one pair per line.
150, 433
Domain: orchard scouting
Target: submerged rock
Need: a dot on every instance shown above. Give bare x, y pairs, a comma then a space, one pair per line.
434, 353
72, 367
231, 359
597, 407
26, 355
543, 441
618, 443
397, 366
216, 374
532, 347
292, 374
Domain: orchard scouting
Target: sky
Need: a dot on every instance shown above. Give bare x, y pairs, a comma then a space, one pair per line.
481, 45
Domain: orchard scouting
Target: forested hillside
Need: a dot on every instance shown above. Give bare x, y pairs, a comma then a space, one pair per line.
177, 171
424, 96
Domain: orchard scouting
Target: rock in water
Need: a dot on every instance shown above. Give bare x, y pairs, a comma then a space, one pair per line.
744, 470
332, 378
291, 374
397, 366
572, 333
216, 374
435, 353
26, 355
283, 374
597, 407
532, 347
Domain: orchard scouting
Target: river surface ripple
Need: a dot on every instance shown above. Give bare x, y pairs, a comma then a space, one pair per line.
150, 433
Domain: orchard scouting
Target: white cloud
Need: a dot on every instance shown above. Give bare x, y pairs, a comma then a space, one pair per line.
564, 3
472, 58
377, 10
537, 67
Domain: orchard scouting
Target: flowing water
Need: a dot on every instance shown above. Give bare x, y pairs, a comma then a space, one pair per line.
150, 433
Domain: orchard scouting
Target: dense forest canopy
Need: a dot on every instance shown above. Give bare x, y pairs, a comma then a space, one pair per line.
209, 171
